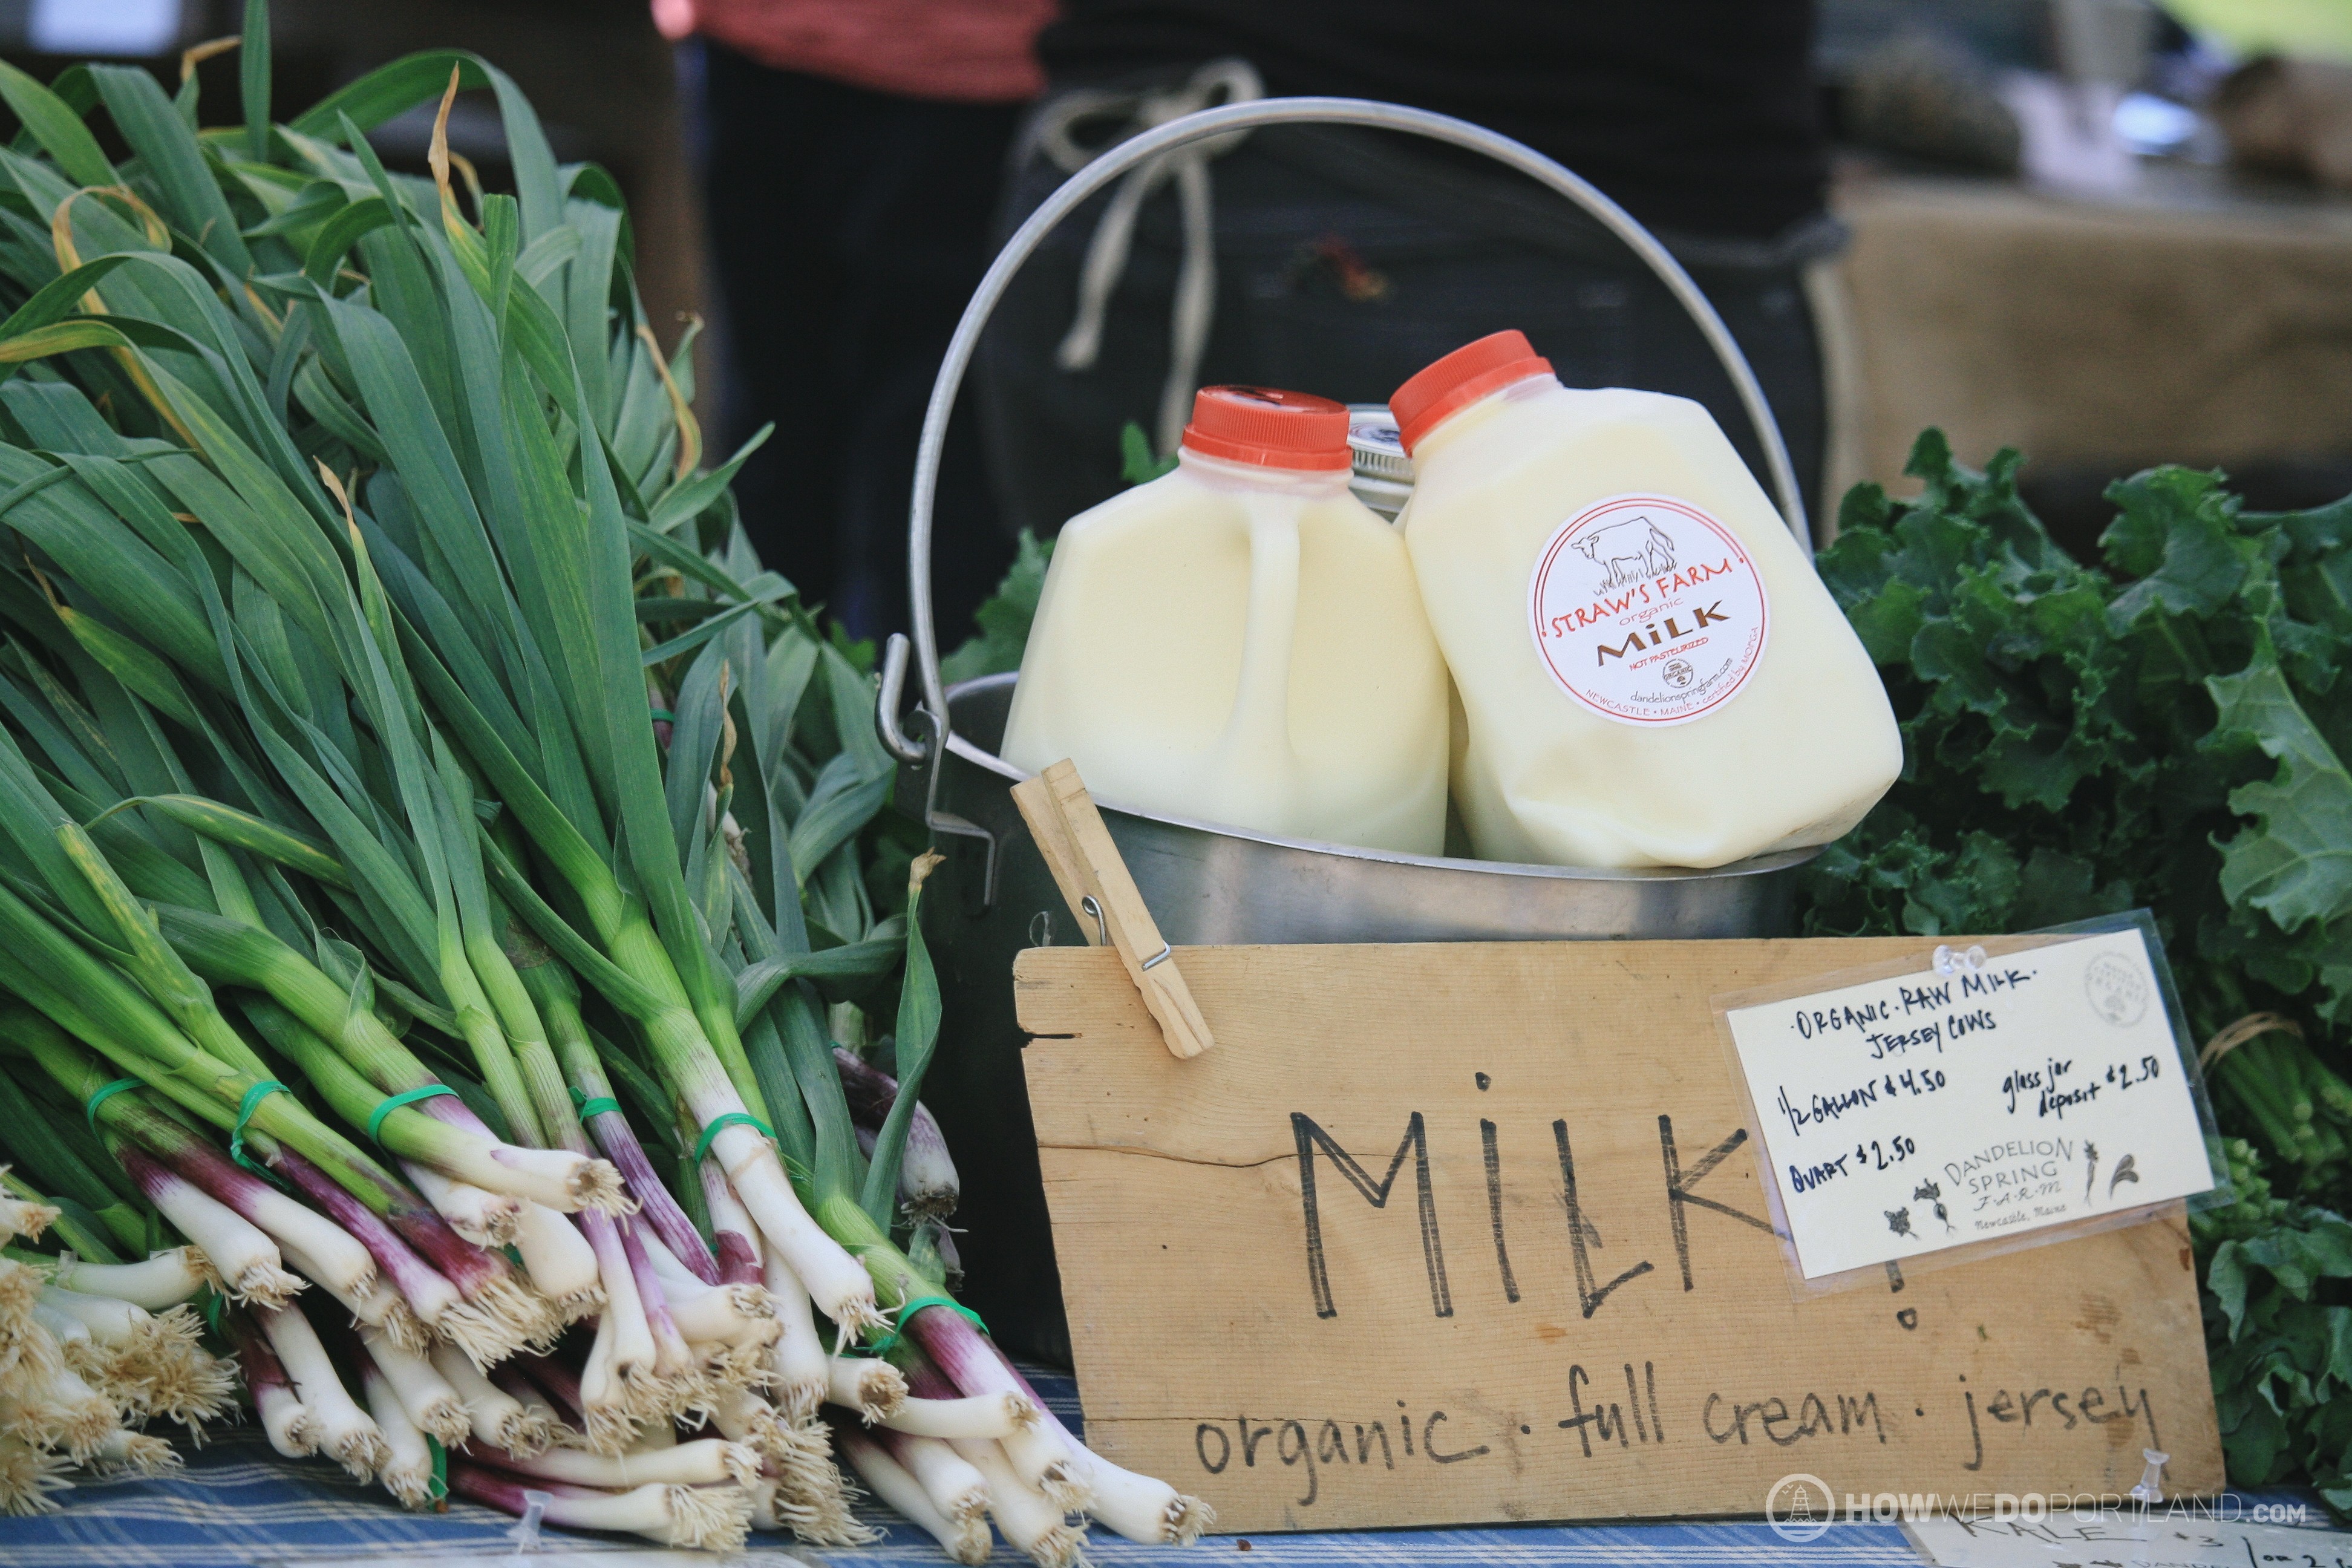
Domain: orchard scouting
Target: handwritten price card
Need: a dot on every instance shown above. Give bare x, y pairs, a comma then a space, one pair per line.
1904, 1115
2178, 1535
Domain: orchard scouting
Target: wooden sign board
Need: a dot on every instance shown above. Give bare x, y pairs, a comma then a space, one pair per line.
1460, 1232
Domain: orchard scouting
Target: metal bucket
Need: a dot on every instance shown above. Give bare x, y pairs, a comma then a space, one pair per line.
1207, 883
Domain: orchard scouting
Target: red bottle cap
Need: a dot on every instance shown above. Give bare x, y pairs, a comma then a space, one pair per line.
1268, 427
1460, 379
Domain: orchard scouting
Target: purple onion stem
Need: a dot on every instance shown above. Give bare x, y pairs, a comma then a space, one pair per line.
560, 1383
409, 1272
649, 1289
972, 1362
656, 1206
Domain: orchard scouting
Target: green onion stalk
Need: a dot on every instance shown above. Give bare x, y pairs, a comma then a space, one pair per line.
583, 691
91, 1001
95, 1201
557, 996
635, 973
87, 1241
155, 1284
499, 1311
84, 878
332, 1257
495, 1314
492, 1314
652, 1374
573, 1266
358, 521
356, 1062
687, 1012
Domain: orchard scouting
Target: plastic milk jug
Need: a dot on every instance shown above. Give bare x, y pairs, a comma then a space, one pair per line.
1240, 641
1649, 671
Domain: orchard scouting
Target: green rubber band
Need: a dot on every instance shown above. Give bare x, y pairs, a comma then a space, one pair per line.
440, 1468
245, 1109
596, 1107
730, 1118
664, 716
105, 1093
906, 1313
212, 1308
409, 1097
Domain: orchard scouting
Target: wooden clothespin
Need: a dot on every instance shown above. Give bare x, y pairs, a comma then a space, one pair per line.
1077, 846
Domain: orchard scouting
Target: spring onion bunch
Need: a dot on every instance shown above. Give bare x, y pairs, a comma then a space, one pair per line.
445, 912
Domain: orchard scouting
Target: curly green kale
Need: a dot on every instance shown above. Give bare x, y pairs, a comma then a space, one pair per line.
1003, 618
2279, 1335
2166, 729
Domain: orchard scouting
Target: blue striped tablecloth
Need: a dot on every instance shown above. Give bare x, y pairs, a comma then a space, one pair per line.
238, 1504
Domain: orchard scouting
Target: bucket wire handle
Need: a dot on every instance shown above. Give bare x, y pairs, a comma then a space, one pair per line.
896, 741
1117, 159
927, 753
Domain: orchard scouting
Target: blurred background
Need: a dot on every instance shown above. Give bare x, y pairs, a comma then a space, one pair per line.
2107, 232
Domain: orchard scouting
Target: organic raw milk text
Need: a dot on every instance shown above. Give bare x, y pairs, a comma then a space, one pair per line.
1240, 641
1649, 672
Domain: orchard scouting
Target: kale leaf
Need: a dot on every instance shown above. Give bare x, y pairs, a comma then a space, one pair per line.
2166, 727
1003, 617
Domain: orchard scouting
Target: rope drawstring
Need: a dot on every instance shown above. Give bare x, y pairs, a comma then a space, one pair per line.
1218, 82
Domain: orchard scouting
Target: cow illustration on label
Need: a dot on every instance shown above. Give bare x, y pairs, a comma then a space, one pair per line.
1669, 627
1631, 550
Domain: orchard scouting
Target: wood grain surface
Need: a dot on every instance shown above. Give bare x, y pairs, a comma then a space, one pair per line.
1528, 1276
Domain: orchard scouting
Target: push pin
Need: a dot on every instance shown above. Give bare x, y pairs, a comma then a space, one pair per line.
525, 1534
1950, 960
2150, 1490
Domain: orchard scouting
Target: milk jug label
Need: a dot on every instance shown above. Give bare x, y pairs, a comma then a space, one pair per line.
1646, 610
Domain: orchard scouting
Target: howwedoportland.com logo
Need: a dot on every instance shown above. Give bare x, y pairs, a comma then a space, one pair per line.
1799, 1508
1802, 1508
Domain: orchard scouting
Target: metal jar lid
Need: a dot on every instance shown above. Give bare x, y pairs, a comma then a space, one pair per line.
1374, 444
1383, 477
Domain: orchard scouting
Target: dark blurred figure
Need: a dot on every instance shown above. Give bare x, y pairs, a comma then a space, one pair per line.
854, 153
1345, 260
